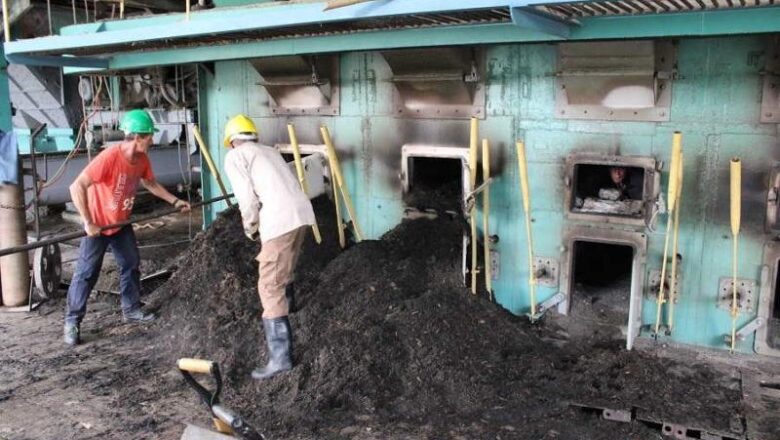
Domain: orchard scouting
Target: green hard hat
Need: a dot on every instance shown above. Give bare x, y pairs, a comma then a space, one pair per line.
137, 121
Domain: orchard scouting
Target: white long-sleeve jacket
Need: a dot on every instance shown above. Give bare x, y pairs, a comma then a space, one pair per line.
269, 196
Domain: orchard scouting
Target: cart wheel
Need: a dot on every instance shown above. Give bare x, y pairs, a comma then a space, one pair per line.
47, 270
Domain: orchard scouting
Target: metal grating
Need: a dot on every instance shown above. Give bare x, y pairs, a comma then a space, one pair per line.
412, 21
577, 10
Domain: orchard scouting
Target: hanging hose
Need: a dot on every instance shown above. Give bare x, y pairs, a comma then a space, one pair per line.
474, 134
673, 281
736, 208
672, 201
523, 167
486, 218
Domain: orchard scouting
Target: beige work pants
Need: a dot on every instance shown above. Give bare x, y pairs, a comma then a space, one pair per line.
277, 259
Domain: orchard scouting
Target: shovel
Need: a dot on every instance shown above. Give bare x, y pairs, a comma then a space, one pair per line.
228, 424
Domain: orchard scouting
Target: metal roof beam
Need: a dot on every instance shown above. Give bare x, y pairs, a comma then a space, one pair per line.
691, 24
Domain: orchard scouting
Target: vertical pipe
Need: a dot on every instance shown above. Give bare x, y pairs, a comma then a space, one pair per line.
14, 268
48, 15
736, 210
671, 198
473, 145
6, 22
486, 217
675, 240
523, 167
187, 8
121, 9
302, 176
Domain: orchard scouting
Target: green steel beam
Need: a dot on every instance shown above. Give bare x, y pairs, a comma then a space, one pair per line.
533, 20
701, 24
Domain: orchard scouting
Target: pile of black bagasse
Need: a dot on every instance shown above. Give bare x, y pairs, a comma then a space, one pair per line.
389, 344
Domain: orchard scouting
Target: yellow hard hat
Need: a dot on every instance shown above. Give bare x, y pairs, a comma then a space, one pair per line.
239, 124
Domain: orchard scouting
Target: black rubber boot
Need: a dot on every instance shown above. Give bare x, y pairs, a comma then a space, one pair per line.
278, 338
289, 292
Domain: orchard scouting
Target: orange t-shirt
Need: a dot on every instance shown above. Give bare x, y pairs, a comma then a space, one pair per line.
114, 184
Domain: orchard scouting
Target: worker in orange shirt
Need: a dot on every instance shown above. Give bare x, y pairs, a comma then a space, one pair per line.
104, 193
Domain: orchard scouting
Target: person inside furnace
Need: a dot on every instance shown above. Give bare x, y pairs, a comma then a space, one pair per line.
622, 185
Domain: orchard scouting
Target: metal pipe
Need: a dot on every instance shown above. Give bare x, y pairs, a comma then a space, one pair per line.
302, 176
474, 135
522, 164
54, 191
736, 210
204, 150
672, 198
34, 176
14, 269
335, 170
335, 4
486, 218
73, 235
187, 8
6, 22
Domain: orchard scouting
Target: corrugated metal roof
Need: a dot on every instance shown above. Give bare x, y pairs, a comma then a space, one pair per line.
576, 10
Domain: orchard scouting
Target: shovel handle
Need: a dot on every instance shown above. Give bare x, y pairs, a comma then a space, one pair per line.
195, 365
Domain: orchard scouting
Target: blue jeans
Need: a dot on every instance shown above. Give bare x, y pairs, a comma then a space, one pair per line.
91, 251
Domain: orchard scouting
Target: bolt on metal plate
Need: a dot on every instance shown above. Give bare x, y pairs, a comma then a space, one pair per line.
546, 271
747, 290
654, 282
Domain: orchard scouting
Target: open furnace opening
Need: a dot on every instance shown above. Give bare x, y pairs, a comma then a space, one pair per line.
601, 281
434, 183
773, 324
609, 189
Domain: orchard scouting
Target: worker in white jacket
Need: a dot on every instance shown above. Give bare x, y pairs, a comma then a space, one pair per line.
276, 211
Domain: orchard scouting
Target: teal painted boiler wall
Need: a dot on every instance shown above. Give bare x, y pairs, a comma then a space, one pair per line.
715, 103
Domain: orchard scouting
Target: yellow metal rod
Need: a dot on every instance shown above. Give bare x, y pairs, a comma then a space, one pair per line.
661, 298
6, 22
673, 170
523, 167
336, 169
672, 198
337, 203
736, 211
302, 176
204, 150
486, 218
673, 282
473, 145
